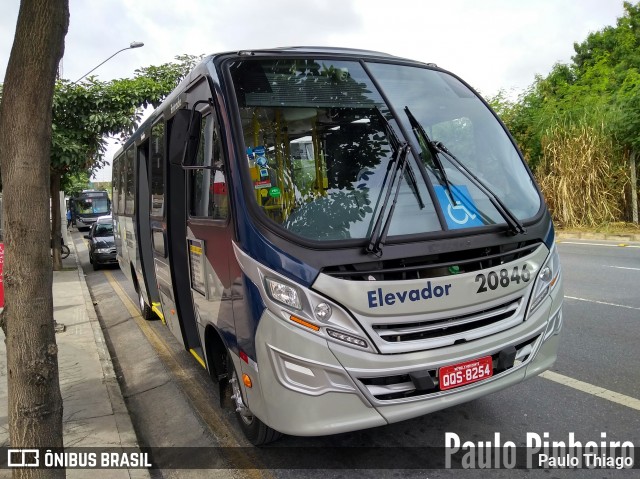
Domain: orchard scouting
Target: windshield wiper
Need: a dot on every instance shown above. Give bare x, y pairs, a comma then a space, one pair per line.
395, 145
436, 148
398, 163
379, 233
427, 145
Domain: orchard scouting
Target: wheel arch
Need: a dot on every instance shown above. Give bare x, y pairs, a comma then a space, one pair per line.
216, 353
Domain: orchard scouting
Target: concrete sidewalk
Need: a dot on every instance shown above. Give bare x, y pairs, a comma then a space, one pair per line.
95, 414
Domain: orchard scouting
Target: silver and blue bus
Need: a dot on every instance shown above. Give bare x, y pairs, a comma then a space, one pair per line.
344, 239
86, 207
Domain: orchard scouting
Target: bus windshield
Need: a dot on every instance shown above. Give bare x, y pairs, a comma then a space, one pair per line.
320, 152
92, 206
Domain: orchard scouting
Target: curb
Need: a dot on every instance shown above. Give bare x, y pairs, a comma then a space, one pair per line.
125, 429
597, 236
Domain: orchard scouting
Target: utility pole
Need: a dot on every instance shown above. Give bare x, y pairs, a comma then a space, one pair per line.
634, 187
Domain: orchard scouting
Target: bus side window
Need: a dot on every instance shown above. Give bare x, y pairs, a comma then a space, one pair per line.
122, 181
130, 185
115, 187
157, 169
208, 196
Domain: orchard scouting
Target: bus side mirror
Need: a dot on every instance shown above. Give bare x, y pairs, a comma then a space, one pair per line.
185, 137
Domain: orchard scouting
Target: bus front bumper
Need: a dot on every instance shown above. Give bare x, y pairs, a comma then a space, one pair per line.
306, 386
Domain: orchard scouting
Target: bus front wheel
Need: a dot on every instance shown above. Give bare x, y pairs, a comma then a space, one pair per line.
257, 432
145, 310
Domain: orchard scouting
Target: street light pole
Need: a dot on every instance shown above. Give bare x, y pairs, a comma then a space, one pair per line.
132, 45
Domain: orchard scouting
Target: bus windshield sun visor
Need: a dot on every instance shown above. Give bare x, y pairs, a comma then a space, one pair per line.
399, 163
437, 149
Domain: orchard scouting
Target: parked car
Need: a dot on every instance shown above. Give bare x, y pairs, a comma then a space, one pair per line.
102, 246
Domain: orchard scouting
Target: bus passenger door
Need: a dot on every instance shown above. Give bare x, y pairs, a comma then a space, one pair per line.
127, 202
158, 229
210, 233
144, 266
168, 232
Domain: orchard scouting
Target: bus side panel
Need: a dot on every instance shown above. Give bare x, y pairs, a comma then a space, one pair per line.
130, 243
120, 235
163, 279
212, 285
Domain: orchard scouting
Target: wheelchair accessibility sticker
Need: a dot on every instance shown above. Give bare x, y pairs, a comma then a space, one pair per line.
462, 212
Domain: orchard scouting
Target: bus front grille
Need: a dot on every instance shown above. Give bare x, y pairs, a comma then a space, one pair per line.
433, 266
424, 330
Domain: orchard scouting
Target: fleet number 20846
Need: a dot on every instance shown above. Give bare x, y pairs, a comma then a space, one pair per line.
503, 278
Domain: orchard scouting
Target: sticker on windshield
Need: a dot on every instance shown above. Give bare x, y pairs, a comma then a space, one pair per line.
274, 192
462, 212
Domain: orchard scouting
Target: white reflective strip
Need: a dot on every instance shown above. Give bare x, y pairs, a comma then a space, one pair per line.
602, 302
298, 368
597, 391
622, 267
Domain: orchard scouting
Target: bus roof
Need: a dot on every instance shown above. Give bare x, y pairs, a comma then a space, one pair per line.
284, 51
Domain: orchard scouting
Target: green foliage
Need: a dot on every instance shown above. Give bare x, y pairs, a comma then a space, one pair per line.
75, 183
577, 125
600, 86
85, 114
626, 111
102, 186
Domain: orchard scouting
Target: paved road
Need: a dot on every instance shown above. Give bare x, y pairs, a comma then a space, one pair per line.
173, 403
601, 341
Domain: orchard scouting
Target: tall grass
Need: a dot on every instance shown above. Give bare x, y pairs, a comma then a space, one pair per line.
581, 175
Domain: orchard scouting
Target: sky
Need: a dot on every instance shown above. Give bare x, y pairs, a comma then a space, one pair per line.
492, 44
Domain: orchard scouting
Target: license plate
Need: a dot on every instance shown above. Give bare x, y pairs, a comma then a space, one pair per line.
465, 373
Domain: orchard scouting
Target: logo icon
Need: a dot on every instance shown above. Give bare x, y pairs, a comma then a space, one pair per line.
23, 457
459, 211
461, 215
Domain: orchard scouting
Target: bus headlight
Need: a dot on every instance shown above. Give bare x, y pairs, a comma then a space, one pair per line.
547, 279
283, 293
347, 338
323, 311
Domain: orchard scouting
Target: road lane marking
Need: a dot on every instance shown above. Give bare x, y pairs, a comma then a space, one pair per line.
199, 398
597, 391
623, 267
602, 302
619, 245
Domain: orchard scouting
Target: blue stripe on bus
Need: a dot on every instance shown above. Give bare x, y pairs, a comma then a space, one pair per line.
254, 305
260, 249
551, 236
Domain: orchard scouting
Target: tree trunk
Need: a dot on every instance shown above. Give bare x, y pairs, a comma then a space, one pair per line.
56, 234
34, 402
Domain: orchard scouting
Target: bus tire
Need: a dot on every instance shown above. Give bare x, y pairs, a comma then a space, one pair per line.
145, 310
257, 432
